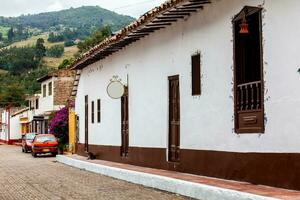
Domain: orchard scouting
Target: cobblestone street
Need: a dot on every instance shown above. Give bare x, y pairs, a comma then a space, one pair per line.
23, 177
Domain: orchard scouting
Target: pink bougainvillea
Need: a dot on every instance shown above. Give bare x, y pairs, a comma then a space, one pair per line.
59, 125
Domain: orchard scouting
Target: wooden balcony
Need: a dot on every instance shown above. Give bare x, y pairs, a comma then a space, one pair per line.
249, 108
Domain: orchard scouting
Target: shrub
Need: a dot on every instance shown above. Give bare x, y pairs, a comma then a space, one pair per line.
55, 51
59, 126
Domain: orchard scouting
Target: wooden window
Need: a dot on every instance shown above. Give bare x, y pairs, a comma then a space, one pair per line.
93, 112
37, 104
44, 90
98, 111
50, 88
196, 75
248, 72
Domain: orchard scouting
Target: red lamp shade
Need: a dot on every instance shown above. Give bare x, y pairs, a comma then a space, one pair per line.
244, 26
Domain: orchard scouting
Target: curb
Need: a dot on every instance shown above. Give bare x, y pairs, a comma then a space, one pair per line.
185, 188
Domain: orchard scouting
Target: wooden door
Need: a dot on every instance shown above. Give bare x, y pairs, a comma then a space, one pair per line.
86, 123
124, 125
174, 119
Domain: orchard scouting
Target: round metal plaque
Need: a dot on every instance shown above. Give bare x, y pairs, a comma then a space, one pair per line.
115, 89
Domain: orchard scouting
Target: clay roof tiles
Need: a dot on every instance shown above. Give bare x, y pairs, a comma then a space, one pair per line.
170, 10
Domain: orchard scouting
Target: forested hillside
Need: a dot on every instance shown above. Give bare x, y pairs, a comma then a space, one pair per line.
33, 45
86, 17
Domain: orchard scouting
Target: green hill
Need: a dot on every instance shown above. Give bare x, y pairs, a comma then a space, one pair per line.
86, 17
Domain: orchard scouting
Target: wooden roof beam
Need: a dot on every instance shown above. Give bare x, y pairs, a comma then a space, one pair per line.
176, 14
183, 10
170, 17
158, 24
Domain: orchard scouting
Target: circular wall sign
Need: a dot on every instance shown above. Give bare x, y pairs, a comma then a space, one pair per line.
115, 89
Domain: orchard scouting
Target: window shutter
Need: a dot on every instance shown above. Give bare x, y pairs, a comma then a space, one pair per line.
196, 75
93, 108
98, 110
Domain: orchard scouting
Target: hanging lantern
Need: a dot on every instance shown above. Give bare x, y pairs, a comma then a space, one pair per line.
244, 26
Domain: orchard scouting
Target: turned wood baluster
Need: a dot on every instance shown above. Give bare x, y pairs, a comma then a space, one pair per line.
238, 99
242, 98
252, 96
247, 97
257, 96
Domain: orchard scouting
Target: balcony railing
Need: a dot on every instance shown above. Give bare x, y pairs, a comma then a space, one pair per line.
249, 96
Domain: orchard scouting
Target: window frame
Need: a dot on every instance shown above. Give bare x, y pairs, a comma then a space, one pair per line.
196, 84
260, 130
44, 90
98, 110
50, 88
36, 103
92, 112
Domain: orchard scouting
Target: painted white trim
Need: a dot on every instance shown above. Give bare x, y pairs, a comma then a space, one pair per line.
185, 188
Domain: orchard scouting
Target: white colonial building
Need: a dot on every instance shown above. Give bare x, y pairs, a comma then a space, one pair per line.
211, 88
55, 92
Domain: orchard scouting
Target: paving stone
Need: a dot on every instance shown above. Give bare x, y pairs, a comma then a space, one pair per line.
23, 177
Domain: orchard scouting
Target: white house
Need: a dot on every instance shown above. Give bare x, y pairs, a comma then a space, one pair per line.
211, 88
13, 124
55, 91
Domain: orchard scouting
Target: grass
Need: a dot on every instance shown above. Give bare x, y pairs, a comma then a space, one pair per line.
4, 30
54, 62
3, 71
32, 40
48, 61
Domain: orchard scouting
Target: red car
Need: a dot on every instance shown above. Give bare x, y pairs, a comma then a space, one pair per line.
27, 142
44, 144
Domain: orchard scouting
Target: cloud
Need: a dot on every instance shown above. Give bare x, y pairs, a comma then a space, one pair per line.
57, 5
134, 8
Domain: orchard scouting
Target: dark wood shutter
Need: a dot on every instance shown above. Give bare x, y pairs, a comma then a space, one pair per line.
86, 123
196, 75
93, 112
174, 119
98, 110
124, 125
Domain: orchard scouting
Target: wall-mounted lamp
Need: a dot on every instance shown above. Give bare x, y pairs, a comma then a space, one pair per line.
244, 25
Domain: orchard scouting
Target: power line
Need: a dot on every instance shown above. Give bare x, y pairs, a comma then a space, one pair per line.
131, 5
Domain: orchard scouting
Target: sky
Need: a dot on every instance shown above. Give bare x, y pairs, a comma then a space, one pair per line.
134, 8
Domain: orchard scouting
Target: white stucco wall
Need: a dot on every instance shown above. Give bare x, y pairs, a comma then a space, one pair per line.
206, 121
15, 127
4, 130
45, 103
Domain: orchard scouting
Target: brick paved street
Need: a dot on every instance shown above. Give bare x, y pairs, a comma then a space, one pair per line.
24, 178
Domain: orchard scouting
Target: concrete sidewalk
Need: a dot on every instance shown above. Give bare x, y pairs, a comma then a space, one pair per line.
189, 185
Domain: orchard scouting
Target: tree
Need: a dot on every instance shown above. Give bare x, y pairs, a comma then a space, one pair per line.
10, 34
94, 39
12, 95
1, 36
65, 63
55, 51
40, 49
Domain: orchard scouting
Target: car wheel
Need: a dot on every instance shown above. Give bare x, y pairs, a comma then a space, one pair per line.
22, 149
54, 154
33, 154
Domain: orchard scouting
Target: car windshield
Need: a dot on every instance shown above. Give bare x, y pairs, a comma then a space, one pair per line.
30, 136
45, 138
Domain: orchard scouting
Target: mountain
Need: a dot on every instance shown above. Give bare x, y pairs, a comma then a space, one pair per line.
85, 18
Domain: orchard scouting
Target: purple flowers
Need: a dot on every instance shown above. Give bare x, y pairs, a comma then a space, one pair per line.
59, 125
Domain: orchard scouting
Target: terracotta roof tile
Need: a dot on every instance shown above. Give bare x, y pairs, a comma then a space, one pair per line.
99, 50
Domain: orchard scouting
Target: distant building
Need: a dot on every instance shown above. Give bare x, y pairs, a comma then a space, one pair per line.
55, 92
14, 123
